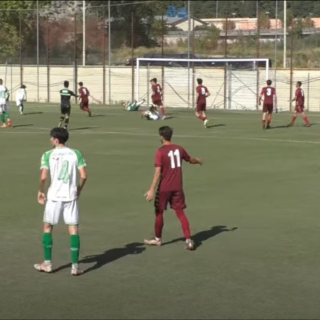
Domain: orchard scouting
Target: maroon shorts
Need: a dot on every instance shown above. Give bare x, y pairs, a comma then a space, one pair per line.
157, 102
267, 108
174, 198
201, 106
299, 109
84, 104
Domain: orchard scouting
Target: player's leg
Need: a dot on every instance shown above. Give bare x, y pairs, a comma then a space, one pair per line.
51, 217
62, 115
138, 104
84, 106
294, 117
67, 117
3, 118
305, 118
71, 218
178, 204
270, 112
7, 115
264, 116
163, 111
160, 205
199, 113
19, 105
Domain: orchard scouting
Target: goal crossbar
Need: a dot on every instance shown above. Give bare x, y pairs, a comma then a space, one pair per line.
267, 67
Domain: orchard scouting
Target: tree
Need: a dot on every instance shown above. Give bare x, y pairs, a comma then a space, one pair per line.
11, 14
228, 25
308, 22
263, 21
209, 42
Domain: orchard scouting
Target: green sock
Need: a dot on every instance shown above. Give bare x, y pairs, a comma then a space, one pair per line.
3, 119
7, 115
47, 246
75, 248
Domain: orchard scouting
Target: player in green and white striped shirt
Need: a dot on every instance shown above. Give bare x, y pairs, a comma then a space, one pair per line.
63, 165
4, 97
132, 106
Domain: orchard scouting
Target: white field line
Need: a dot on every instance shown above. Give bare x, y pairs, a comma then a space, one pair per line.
145, 134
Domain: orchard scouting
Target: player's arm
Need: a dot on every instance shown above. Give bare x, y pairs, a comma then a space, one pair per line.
73, 94
295, 97
8, 95
187, 158
261, 96
157, 173
82, 171
43, 180
83, 180
208, 93
43, 177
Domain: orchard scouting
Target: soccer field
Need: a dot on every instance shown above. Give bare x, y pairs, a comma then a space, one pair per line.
253, 208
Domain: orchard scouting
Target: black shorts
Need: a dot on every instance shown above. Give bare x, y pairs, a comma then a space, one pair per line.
65, 109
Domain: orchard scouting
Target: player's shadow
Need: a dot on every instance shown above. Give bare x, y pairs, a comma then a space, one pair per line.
203, 236
83, 128
216, 126
31, 113
98, 115
22, 125
108, 256
279, 127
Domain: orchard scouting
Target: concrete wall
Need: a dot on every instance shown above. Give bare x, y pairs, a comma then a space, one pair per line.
241, 89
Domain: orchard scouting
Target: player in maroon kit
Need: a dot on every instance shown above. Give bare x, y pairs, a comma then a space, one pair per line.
168, 163
157, 96
299, 99
202, 94
268, 94
84, 96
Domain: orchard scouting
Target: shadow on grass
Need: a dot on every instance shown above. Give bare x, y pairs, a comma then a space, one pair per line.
108, 256
22, 125
31, 113
98, 115
83, 128
215, 126
203, 236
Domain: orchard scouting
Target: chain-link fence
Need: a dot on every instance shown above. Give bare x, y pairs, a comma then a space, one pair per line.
98, 45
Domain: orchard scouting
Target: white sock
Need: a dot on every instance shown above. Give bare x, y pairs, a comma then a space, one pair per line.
47, 261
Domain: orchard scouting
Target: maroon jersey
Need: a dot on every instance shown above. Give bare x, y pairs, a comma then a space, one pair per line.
202, 94
84, 94
300, 97
157, 92
169, 158
268, 95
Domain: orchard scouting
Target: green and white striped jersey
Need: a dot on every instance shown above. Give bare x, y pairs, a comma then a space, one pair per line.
63, 164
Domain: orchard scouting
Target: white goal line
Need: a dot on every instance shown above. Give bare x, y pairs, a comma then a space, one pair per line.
194, 60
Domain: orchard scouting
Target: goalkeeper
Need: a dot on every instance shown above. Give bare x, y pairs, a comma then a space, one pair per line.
151, 114
132, 106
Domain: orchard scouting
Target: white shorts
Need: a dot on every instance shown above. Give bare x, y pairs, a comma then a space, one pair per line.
154, 117
3, 108
54, 209
19, 102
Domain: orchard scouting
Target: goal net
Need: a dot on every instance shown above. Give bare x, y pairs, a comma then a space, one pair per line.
234, 84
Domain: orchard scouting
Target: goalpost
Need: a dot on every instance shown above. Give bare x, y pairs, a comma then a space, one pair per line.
234, 84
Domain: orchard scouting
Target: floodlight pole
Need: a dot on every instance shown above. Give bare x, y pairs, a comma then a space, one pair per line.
84, 33
284, 34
